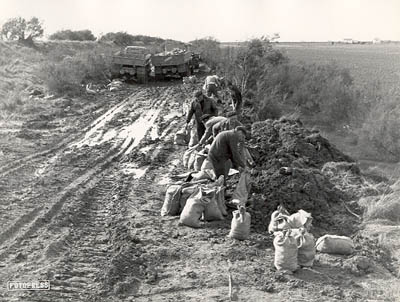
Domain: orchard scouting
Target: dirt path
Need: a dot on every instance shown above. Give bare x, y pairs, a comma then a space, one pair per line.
85, 214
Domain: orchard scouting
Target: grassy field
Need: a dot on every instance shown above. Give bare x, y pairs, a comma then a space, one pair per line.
367, 63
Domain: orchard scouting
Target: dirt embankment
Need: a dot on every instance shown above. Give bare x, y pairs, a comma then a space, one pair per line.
89, 218
300, 169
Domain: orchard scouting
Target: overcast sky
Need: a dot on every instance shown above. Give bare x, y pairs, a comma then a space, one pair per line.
226, 20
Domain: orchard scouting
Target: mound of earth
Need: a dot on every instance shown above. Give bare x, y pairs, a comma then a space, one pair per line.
298, 168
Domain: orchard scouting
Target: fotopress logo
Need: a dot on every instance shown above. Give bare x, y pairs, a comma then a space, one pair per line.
28, 285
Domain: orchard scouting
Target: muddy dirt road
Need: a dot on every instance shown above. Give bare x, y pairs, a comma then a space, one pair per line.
84, 213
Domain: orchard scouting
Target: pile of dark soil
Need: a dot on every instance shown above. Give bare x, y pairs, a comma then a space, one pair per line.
289, 171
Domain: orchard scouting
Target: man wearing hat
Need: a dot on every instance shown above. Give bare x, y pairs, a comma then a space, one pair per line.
201, 105
226, 147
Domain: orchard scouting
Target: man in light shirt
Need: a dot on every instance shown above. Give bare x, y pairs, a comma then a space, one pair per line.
212, 85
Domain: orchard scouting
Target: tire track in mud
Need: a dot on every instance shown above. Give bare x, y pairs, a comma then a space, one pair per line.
85, 249
22, 224
31, 159
60, 199
90, 194
28, 215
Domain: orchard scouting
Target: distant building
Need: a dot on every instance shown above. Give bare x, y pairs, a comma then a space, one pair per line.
351, 41
376, 41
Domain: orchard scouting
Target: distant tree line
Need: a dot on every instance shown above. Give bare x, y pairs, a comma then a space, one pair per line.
124, 39
22, 30
73, 35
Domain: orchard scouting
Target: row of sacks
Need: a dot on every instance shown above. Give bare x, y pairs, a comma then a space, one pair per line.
295, 246
199, 204
195, 202
199, 201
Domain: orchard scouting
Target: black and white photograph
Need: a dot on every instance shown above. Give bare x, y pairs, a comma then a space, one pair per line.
199, 150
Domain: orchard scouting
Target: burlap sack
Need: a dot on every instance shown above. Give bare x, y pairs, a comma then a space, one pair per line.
193, 210
240, 225
242, 188
286, 250
306, 249
171, 201
211, 211
333, 244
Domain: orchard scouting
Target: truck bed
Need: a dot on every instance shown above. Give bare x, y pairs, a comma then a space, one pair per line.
130, 60
171, 59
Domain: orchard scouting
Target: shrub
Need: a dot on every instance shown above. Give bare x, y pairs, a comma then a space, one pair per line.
69, 75
381, 127
320, 94
387, 207
210, 51
77, 35
21, 29
270, 107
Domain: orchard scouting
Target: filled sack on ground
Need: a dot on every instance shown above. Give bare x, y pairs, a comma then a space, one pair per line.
206, 165
242, 188
220, 196
187, 154
301, 219
199, 159
220, 193
285, 245
206, 174
334, 244
193, 210
192, 158
306, 249
248, 158
240, 225
181, 137
186, 193
194, 140
171, 201
211, 210
279, 220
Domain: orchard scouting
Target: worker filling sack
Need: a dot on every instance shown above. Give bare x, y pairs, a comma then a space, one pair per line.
240, 225
285, 245
306, 248
333, 244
